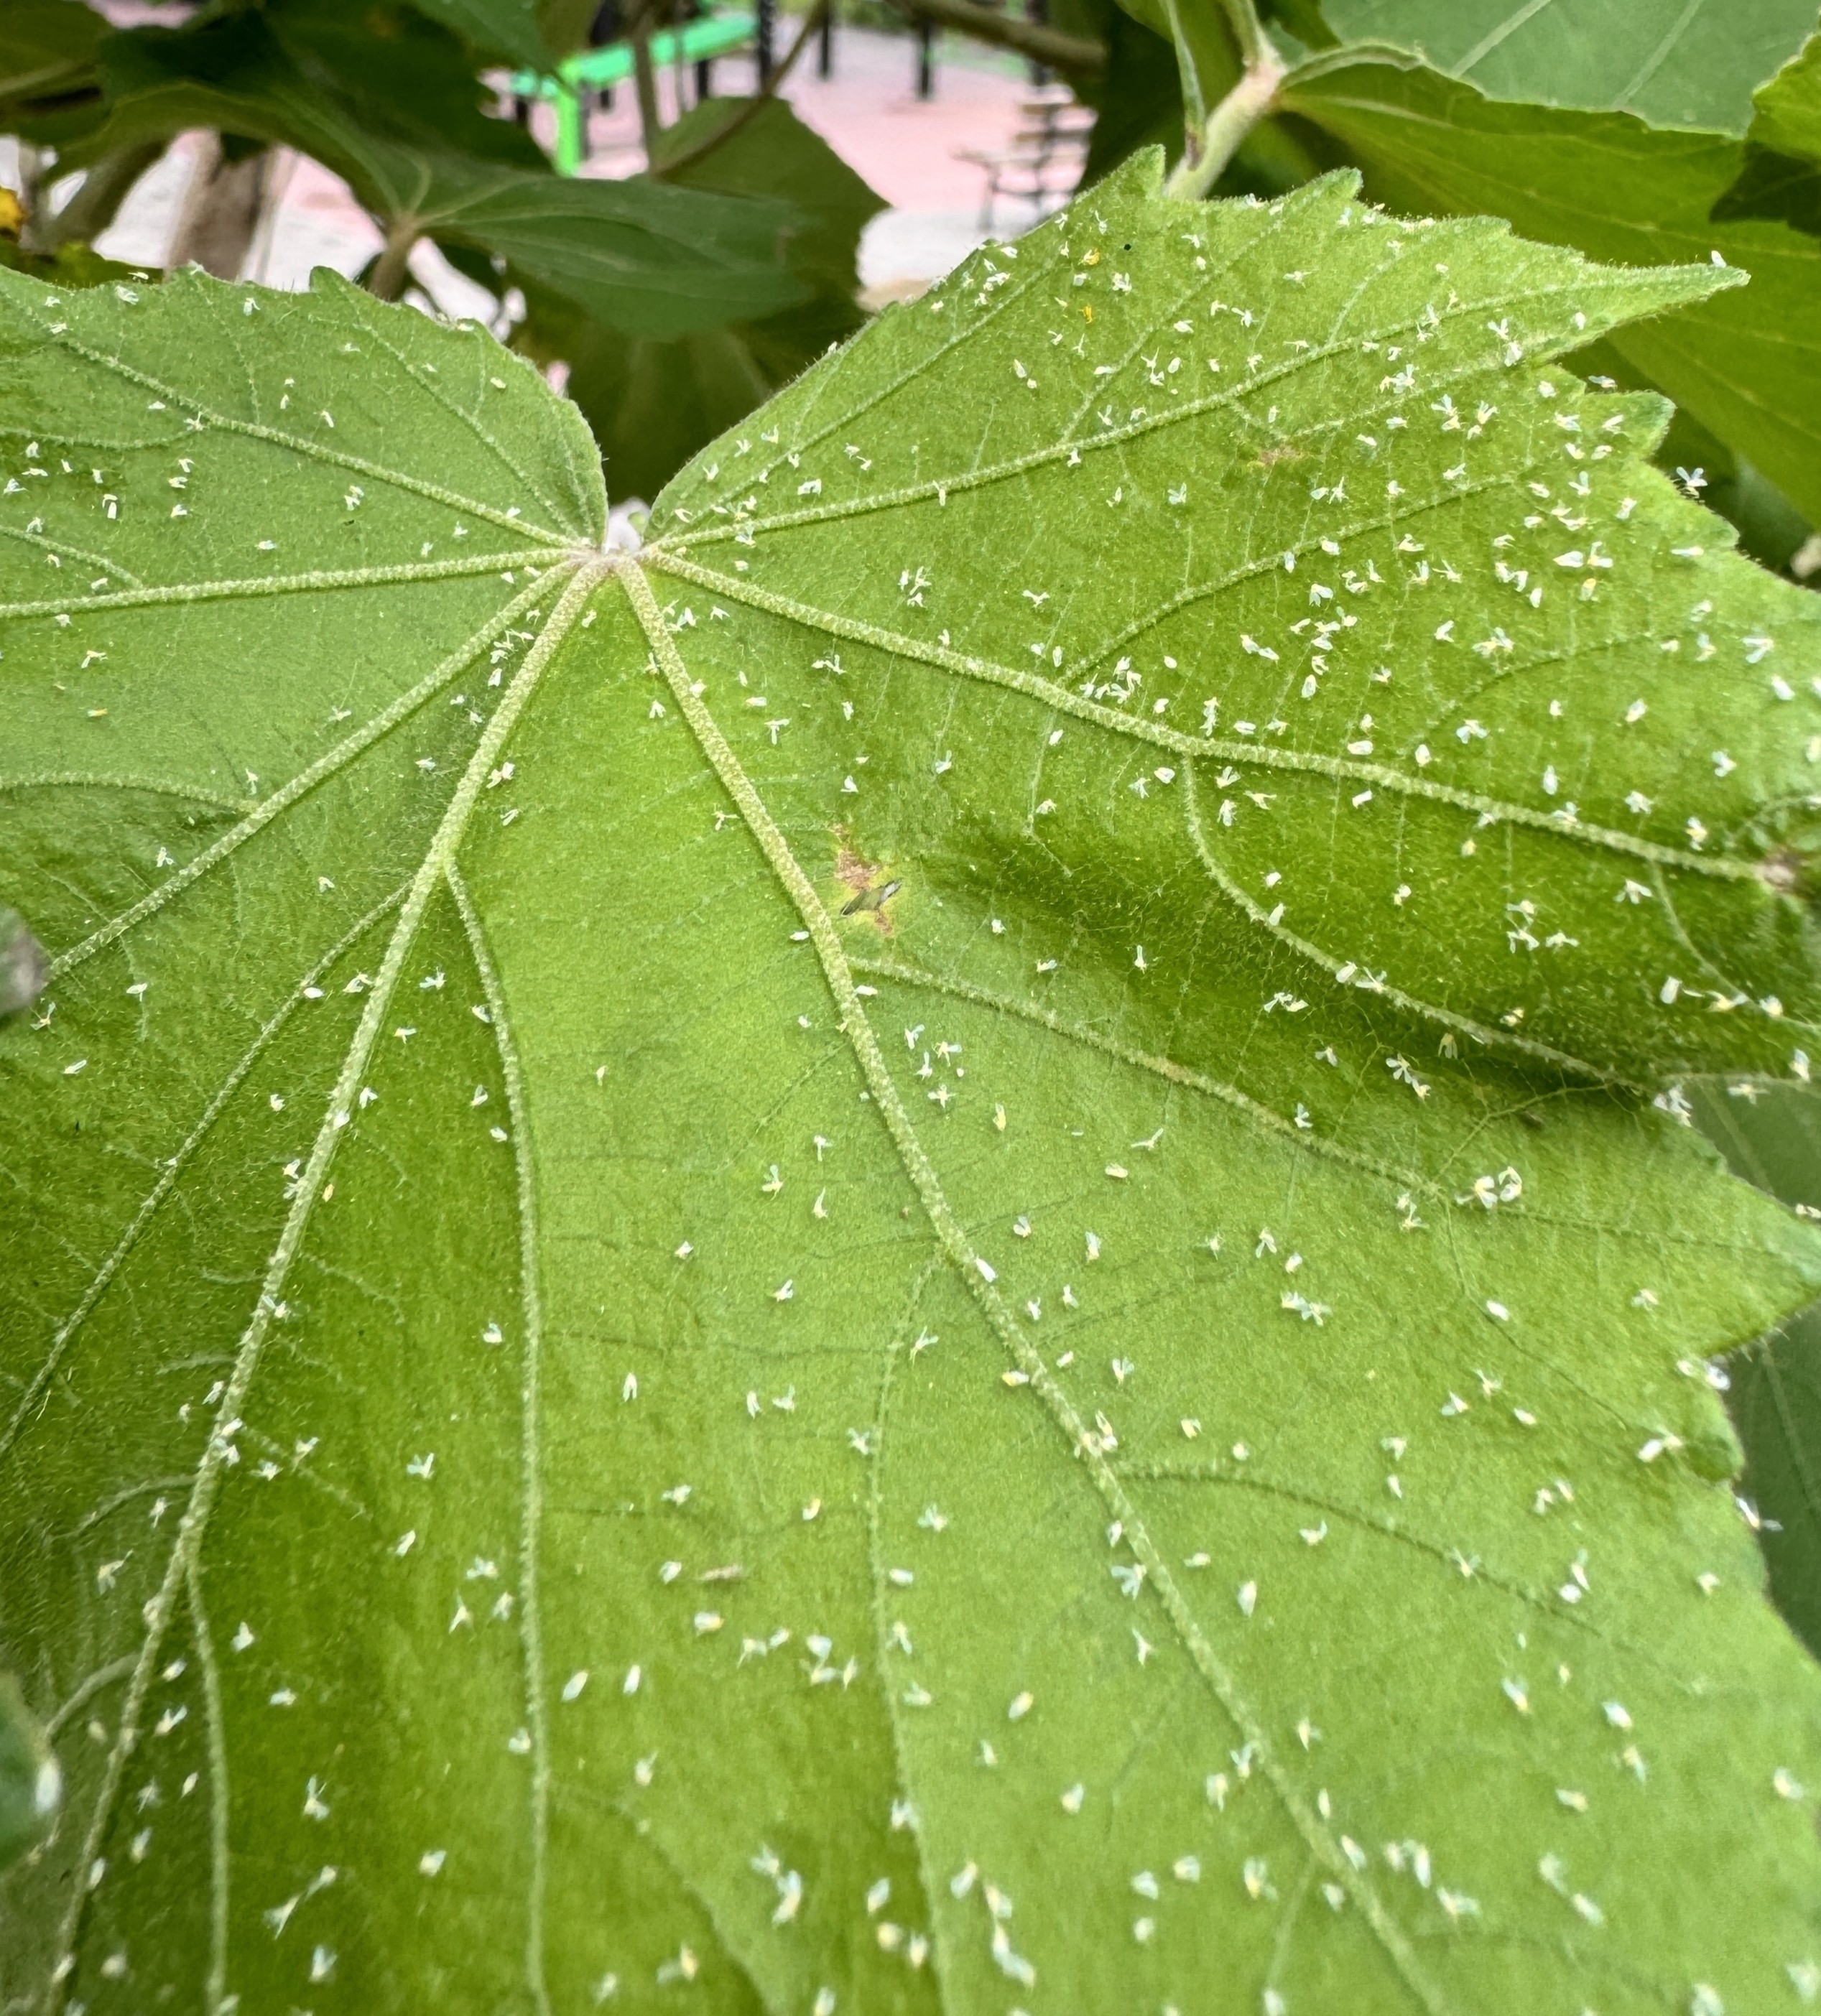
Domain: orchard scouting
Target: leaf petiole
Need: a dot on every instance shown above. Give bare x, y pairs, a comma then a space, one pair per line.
1249, 34
1226, 126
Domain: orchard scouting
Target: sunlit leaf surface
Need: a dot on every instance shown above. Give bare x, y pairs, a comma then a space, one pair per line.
933, 1253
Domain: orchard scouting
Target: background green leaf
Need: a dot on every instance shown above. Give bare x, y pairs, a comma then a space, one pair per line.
1672, 63
636, 254
505, 28
701, 1287
48, 79
1787, 114
1744, 364
565, 24
1781, 173
1775, 1402
1137, 98
651, 404
384, 65
322, 75
1197, 32
1771, 1135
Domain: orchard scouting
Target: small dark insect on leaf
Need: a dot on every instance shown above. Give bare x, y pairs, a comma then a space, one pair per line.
870, 899
22, 967
1532, 1118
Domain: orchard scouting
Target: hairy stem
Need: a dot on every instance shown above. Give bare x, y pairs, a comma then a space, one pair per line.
1248, 31
645, 84
391, 270
1228, 124
1074, 55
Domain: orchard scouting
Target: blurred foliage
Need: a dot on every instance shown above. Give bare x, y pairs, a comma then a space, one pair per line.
652, 403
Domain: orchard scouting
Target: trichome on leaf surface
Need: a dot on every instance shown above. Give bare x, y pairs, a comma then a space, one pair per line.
934, 1251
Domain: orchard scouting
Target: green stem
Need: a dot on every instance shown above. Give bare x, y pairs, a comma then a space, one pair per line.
1228, 124
645, 83
1248, 32
679, 64
393, 266
1195, 110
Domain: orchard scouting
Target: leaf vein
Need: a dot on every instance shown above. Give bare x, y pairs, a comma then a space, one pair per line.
1264, 1118
296, 787
311, 451
959, 1251
531, 1458
194, 1522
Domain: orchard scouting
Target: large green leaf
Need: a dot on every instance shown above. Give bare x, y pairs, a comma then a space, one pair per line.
732, 1279
1770, 528
1746, 364
1674, 63
652, 404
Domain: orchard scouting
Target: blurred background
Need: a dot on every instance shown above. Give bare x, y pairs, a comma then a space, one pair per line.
518, 163
674, 207
922, 117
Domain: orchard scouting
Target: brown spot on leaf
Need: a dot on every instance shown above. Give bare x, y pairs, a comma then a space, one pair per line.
1782, 870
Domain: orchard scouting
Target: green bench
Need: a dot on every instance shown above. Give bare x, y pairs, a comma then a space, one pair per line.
600, 70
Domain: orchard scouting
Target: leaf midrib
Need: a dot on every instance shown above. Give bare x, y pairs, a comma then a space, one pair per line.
957, 1250
1338, 769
